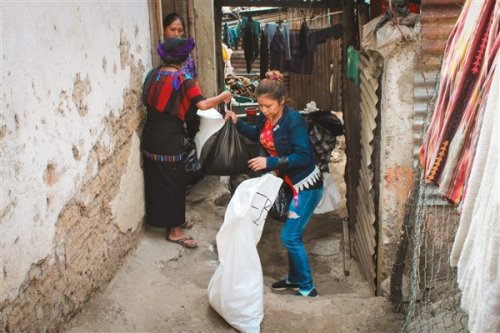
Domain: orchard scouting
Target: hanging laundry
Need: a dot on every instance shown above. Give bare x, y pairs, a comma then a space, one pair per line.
353, 65
448, 149
251, 30
230, 36
299, 64
234, 37
304, 49
270, 29
303, 45
277, 52
225, 35
285, 30
264, 55
319, 36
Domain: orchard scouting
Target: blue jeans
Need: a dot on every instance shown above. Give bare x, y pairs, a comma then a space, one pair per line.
299, 270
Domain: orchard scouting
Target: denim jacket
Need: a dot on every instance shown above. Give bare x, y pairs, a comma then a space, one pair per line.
291, 140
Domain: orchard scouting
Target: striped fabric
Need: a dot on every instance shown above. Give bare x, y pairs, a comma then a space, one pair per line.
164, 158
448, 149
171, 92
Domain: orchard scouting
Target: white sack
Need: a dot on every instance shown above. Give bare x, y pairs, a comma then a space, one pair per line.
236, 290
211, 121
331, 196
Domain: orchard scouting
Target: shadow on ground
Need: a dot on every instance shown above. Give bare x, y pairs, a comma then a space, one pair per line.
162, 287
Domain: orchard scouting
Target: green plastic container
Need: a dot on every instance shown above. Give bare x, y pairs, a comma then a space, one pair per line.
240, 103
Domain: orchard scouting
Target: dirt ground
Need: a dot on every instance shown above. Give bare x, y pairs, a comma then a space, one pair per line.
162, 287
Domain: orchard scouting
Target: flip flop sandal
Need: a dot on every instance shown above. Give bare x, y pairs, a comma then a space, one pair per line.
182, 241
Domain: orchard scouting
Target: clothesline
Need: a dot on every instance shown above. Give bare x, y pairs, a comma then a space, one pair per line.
297, 18
315, 17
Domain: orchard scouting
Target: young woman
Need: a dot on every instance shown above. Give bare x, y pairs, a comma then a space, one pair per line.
172, 98
282, 132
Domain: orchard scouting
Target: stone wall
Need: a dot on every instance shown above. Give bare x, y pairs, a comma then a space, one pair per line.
72, 192
205, 46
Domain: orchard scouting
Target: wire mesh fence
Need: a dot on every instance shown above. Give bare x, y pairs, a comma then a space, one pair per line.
433, 295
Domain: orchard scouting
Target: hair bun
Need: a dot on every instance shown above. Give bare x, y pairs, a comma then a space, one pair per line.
274, 76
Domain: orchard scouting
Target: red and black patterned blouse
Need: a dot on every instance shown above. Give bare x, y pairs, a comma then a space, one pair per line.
175, 93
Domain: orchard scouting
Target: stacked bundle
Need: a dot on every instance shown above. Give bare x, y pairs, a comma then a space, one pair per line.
241, 86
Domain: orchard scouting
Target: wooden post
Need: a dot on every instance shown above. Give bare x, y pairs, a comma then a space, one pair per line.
153, 24
190, 18
159, 20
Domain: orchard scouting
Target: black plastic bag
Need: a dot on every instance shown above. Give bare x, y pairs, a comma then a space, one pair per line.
327, 120
279, 210
225, 153
194, 171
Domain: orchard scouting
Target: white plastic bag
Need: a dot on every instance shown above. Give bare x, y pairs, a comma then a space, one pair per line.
211, 121
331, 196
236, 290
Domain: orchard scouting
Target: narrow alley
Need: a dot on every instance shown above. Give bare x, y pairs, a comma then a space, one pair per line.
162, 287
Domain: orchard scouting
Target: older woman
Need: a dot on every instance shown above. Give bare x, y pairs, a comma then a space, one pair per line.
174, 26
172, 97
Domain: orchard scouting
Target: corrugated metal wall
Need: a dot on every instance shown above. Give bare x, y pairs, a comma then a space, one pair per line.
437, 19
364, 237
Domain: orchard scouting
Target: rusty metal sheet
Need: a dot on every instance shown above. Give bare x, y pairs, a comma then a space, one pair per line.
364, 227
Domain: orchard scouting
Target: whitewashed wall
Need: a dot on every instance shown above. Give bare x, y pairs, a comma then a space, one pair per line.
65, 67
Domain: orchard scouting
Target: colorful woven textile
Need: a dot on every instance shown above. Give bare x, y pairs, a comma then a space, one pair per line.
447, 151
174, 93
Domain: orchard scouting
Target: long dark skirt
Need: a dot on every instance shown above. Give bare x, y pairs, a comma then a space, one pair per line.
165, 189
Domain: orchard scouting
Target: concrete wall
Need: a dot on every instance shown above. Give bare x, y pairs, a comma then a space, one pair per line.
205, 46
398, 56
71, 183
396, 150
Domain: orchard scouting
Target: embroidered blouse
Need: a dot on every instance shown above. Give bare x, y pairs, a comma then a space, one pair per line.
171, 92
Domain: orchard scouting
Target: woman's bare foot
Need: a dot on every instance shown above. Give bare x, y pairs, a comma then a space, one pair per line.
177, 235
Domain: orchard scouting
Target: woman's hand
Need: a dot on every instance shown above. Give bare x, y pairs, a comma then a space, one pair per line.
214, 101
226, 96
232, 115
257, 163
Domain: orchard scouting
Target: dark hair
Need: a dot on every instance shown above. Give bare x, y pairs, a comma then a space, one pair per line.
169, 18
175, 50
272, 86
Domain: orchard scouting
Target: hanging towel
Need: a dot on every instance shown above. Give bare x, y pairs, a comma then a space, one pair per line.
476, 250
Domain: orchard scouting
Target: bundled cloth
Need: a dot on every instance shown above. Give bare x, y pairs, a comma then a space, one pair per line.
323, 128
241, 86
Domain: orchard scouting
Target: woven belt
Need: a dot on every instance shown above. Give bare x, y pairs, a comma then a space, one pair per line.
164, 158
